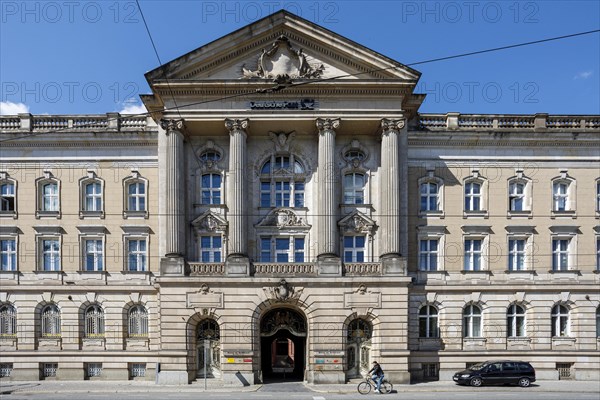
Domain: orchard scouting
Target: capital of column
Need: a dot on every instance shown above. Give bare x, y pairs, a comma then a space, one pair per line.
389, 125
236, 125
171, 125
327, 124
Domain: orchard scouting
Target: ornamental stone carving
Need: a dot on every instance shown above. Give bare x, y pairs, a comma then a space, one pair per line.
327, 124
236, 125
209, 222
357, 222
282, 62
283, 218
283, 292
282, 140
170, 125
388, 125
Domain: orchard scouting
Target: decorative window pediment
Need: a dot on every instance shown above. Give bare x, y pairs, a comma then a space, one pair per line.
210, 222
355, 154
357, 222
210, 156
283, 218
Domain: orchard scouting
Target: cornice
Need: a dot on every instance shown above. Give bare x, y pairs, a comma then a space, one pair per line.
478, 142
94, 144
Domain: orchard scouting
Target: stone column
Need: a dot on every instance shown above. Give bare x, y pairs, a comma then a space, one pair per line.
237, 199
327, 230
173, 262
392, 196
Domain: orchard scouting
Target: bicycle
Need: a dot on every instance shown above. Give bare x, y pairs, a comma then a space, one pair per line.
366, 386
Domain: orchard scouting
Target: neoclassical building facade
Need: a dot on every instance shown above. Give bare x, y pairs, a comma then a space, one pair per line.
286, 212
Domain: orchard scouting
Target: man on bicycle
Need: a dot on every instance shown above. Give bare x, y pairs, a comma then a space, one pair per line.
377, 375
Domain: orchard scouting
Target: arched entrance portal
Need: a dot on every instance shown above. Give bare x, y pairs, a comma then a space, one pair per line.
283, 345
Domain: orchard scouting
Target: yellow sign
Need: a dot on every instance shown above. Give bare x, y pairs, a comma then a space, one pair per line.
231, 360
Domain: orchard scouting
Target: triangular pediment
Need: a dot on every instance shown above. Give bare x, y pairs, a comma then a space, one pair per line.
356, 222
281, 44
210, 222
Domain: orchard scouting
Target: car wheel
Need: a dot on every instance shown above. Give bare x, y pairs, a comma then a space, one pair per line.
476, 381
524, 382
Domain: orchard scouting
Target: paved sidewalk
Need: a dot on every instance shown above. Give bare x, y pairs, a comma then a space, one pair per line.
7, 387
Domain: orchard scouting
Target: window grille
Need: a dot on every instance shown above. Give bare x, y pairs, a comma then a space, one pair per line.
94, 322
138, 322
8, 321
51, 321
564, 370
138, 370
94, 369
49, 370
5, 370
431, 371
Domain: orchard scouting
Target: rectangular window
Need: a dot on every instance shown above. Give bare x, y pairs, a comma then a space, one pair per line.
299, 194
472, 196
136, 255
49, 370
598, 254
5, 370
136, 198
282, 194
50, 197
8, 255
94, 370
138, 370
50, 255
93, 255
7, 197
473, 254
516, 254
560, 254
516, 196
354, 248
429, 196
428, 254
265, 194
282, 249
211, 189
210, 248
93, 197
560, 196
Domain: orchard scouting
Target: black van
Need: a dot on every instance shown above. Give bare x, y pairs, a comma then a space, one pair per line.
497, 372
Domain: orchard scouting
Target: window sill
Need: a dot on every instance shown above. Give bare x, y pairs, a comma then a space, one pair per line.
519, 214
91, 214
47, 214
196, 205
563, 214
9, 274
432, 214
135, 214
565, 272
479, 272
8, 214
475, 214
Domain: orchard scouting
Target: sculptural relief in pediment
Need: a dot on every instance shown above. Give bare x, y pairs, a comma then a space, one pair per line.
283, 61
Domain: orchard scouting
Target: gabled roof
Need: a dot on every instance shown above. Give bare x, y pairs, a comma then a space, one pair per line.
227, 58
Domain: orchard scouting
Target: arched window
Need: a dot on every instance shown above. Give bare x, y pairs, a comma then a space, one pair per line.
428, 322
516, 196
135, 196
94, 322
208, 329
354, 188
210, 188
48, 196
359, 330
8, 321
560, 321
515, 321
563, 193
358, 350
282, 182
50, 321
93, 196
471, 321
138, 322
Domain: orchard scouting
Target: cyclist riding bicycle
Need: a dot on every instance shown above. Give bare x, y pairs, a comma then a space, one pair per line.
377, 375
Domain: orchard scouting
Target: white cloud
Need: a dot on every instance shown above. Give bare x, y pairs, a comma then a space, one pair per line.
9, 108
132, 107
584, 75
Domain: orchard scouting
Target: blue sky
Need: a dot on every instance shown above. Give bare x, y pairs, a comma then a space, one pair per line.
74, 57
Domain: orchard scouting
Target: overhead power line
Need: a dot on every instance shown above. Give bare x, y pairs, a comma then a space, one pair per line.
280, 87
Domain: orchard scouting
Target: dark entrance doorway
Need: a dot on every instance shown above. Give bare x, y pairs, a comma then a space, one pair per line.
283, 345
